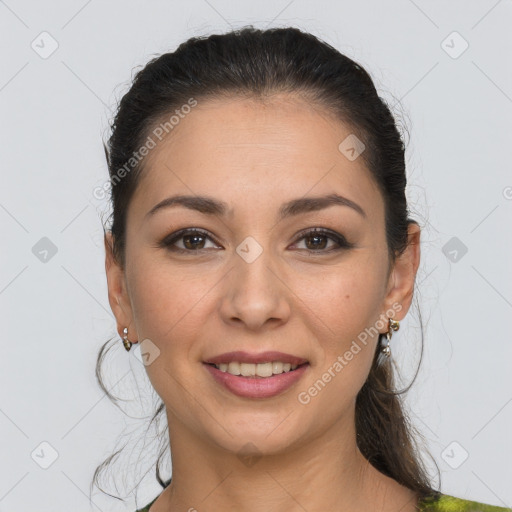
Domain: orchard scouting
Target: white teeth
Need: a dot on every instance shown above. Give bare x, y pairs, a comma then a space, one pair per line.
233, 368
256, 370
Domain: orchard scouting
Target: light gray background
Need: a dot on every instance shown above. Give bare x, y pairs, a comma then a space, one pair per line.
55, 314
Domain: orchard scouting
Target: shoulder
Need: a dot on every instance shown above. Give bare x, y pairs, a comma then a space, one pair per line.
447, 503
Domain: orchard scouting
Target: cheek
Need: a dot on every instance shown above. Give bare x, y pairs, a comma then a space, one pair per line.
168, 303
346, 301
169, 309
347, 308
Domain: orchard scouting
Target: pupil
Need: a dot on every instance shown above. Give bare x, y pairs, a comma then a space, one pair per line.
317, 237
194, 237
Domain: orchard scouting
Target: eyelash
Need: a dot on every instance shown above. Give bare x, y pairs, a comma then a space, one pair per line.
168, 241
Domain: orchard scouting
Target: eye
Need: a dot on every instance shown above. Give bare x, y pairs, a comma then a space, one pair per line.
316, 240
193, 240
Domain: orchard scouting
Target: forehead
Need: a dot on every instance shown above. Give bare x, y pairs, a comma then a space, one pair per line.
252, 151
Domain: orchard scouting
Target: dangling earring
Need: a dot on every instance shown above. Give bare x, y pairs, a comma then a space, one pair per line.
394, 325
126, 342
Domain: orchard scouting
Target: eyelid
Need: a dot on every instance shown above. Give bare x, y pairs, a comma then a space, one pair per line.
339, 239
177, 235
320, 231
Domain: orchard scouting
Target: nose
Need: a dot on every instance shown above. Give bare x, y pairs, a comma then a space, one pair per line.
254, 294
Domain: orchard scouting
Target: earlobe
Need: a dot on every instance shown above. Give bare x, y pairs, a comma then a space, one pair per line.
117, 292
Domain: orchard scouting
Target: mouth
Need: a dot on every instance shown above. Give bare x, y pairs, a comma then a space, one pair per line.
257, 371
256, 365
257, 381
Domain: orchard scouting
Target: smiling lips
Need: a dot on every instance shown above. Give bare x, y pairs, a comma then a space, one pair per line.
262, 357
260, 375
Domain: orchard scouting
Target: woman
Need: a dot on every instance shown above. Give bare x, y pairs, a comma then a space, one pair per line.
262, 254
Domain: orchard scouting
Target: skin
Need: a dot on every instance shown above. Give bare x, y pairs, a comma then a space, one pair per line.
255, 156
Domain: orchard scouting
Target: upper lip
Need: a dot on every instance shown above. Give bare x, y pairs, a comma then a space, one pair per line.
255, 358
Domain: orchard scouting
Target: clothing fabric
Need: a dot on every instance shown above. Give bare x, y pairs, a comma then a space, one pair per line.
444, 503
447, 503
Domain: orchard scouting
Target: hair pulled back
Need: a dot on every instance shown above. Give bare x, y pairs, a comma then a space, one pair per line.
257, 63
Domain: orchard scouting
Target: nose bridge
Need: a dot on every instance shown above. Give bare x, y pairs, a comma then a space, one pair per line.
253, 262
254, 292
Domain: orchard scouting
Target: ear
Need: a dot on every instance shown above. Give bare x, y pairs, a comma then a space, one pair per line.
117, 291
401, 280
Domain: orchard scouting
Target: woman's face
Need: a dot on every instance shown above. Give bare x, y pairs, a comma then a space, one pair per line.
257, 281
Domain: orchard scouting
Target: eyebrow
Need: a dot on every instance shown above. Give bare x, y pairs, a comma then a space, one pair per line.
209, 206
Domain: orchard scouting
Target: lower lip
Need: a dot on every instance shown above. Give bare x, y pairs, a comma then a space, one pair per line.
257, 387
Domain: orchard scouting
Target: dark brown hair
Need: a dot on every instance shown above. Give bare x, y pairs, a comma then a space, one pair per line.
256, 63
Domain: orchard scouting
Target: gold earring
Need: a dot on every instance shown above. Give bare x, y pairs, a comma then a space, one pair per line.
126, 342
394, 325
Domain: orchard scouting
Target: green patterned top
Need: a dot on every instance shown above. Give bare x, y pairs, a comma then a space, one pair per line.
445, 503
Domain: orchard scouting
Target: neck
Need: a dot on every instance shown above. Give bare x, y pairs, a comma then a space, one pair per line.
326, 473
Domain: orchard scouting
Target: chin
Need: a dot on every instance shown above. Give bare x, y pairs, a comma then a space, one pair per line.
259, 437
